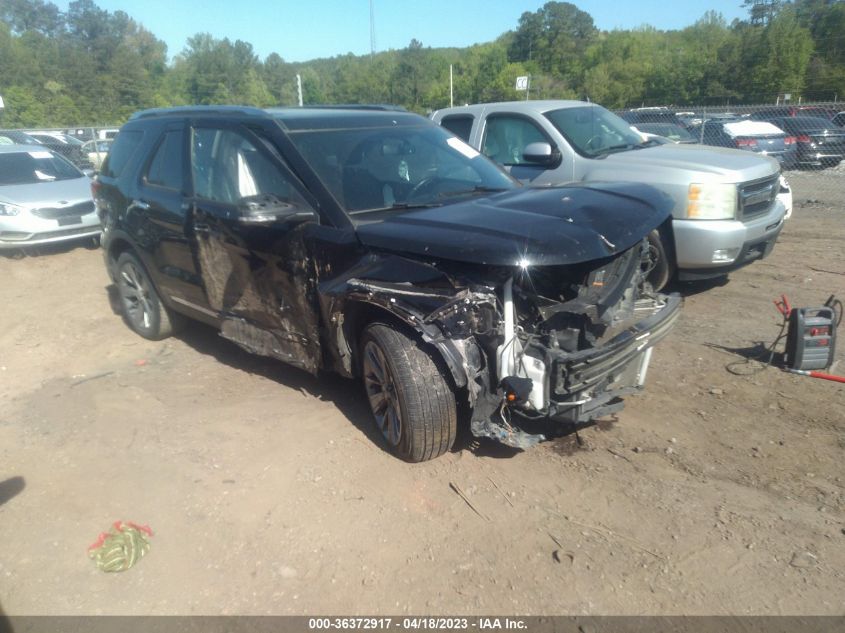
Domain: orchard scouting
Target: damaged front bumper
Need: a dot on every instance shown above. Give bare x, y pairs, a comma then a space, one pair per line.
574, 358
583, 385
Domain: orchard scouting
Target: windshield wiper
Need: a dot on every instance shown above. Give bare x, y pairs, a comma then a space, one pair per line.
469, 192
646, 143
399, 206
614, 148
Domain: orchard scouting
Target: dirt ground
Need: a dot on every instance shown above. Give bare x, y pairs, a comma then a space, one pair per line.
269, 492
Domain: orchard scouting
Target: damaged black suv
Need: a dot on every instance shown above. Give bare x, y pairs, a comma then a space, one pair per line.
376, 244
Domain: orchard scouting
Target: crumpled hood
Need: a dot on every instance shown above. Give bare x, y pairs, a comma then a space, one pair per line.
549, 226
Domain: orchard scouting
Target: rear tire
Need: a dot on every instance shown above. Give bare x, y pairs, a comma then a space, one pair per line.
140, 304
411, 399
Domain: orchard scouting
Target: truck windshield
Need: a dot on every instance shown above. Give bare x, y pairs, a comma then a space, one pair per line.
593, 131
398, 167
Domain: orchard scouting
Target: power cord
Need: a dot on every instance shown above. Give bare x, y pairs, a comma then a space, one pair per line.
785, 309
734, 366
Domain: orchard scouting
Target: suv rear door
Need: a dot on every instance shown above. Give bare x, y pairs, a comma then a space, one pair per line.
250, 218
159, 221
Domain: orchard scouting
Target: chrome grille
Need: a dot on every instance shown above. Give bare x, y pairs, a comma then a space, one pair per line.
54, 213
756, 198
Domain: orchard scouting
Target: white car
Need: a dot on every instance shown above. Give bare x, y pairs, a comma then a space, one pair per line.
96, 151
785, 196
44, 198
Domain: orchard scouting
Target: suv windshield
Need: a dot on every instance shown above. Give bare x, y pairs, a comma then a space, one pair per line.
398, 167
26, 168
593, 131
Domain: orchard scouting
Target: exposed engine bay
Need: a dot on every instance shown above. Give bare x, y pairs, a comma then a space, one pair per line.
554, 344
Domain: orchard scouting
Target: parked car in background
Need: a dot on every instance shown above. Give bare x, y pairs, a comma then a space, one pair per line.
17, 137
755, 136
68, 146
43, 198
373, 243
839, 119
767, 114
726, 213
785, 196
671, 131
85, 134
651, 115
819, 142
96, 151
689, 118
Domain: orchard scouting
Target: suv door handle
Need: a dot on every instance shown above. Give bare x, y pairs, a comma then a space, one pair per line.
140, 205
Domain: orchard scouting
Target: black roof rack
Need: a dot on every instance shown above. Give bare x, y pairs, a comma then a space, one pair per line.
251, 111
359, 106
211, 109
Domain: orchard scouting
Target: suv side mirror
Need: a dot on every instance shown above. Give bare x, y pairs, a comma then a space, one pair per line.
267, 208
541, 153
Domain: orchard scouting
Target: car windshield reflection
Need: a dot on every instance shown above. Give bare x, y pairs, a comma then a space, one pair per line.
383, 169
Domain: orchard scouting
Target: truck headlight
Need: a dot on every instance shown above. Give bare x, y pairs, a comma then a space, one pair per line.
711, 201
9, 209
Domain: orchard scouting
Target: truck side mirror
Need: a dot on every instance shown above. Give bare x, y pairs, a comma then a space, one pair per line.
541, 153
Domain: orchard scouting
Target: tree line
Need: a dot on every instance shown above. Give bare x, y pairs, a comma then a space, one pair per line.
89, 66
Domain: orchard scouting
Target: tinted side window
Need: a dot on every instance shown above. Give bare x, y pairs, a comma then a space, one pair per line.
165, 169
506, 137
458, 124
226, 166
122, 150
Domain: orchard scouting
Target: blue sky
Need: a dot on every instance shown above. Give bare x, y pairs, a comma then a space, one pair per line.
307, 29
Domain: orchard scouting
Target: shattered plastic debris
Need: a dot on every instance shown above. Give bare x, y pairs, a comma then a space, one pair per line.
121, 547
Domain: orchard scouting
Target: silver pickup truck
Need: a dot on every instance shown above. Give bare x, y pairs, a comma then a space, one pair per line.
727, 212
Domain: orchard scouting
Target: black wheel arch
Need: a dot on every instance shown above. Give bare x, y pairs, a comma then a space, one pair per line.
119, 243
357, 315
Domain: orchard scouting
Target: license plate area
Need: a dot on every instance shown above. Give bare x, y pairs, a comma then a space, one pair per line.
73, 219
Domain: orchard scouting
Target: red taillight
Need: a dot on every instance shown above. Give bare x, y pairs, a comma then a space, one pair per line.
746, 142
789, 140
803, 138
95, 188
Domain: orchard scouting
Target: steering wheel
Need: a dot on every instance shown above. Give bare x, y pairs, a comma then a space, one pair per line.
594, 142
426, 183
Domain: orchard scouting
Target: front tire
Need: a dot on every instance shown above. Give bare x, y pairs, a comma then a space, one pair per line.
140, 304
661, 268
411, 399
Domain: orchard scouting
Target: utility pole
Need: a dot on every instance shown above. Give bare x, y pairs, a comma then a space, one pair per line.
299, 88
451, 89
372, 30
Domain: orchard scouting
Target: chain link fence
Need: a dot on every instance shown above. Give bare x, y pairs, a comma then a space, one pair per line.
808, 139
85, 147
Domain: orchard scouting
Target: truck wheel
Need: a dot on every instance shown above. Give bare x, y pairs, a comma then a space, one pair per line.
411, 399
661, 267
142, 308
